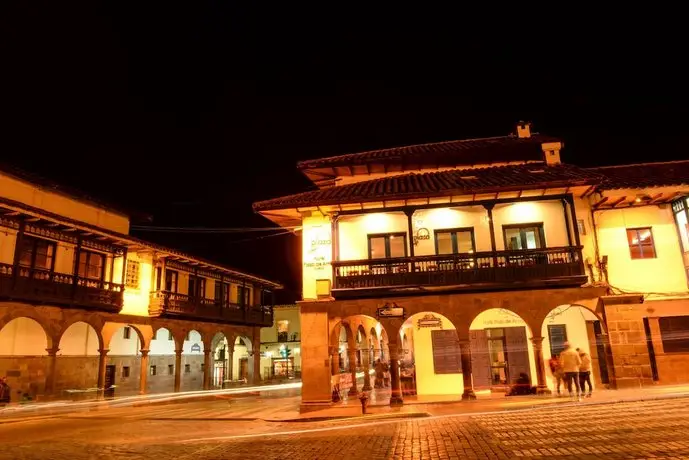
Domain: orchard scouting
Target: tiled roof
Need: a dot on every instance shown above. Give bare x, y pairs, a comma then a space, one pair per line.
466, 181
643, 175
451, 153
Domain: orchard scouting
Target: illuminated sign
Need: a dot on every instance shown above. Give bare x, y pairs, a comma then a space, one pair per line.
429, 321
317, 247
390, 311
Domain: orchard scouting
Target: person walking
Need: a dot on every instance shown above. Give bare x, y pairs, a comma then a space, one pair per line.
585, 372
556, 370
4, 392
570, 367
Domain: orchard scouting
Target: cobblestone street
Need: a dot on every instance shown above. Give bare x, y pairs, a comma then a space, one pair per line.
654, 429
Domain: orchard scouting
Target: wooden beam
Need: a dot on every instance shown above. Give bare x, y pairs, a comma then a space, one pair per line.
618, 201
656, 198
588, 191
600, 202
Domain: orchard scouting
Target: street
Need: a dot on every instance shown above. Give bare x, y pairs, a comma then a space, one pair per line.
651, 429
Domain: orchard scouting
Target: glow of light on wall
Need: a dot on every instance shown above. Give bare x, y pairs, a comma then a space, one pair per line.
525, 212
379, 328
269, 354
282, 347
376, 223
442, 217
297, 351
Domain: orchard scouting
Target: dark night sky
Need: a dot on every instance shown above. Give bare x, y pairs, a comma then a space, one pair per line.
193, 113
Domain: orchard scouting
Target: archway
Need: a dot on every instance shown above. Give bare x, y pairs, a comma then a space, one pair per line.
221, 371
161, 360
424, 337
242, 370
123, 363
580, 327
23, 357
501, 350
192, 361
79, 347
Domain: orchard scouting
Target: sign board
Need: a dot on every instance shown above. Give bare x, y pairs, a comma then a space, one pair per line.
429, 321
447, 356
317, 247
196, 348
390, 311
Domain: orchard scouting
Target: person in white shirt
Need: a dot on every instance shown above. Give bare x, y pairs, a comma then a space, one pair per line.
570, 361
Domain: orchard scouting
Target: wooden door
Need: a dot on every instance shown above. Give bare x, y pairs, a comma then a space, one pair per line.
244, 369
517, 353
480, 360
109, 390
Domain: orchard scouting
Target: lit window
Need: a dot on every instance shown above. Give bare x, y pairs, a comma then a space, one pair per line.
91, 265
283, 326
455, 241
641, 243
127, 332
386, 246
132, 275
520, 237
153, 370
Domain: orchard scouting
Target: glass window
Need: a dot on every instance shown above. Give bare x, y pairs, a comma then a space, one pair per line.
683, 229
132, 275
221, 292
641, 243
171, 277
91, 265
674, 332
196, 286
455, 241
524, 237
387, 246
36, 253
243, 295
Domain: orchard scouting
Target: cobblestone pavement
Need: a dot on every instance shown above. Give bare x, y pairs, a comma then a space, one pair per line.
654, 429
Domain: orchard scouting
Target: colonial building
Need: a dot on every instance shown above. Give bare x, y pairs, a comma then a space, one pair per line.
85, 306
470, 262
281, 345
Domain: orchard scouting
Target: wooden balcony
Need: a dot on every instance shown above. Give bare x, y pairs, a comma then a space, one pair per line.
174, 305
476, 271
46, 287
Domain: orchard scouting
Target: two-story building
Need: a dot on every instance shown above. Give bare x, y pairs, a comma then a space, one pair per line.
467, 263
86, 306
281, 345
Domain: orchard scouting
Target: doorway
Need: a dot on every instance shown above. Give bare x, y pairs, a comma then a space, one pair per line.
602, 356
499, 356
244, 369
651, 350
109, 385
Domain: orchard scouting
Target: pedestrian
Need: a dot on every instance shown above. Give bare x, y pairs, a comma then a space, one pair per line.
5, 391
585, 372
556, 370
570, 367
380, 373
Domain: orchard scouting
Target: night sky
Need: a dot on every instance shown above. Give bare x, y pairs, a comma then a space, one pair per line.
191, 114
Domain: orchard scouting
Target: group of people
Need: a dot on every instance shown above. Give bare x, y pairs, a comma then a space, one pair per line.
382, 374
574, 367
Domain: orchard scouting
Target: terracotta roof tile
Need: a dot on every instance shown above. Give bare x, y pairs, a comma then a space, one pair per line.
466, 181
451, 153
643, 175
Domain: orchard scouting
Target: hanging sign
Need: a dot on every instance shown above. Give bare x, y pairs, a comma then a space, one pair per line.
390, 311
196, 348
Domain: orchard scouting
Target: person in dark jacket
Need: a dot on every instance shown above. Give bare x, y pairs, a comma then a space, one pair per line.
4, 391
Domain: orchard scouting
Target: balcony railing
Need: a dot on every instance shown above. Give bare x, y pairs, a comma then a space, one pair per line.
38, 285
500, 269
172, 304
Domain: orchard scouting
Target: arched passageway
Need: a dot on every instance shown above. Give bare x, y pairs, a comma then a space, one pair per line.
221, 371
161, 359
24, 359
192, 362
78, 349
125, 364
242, 370
501, 350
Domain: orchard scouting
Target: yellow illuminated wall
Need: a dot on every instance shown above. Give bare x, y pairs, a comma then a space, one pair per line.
446, 218
664, 273
136, 301
316, 253
549, 213
33, 195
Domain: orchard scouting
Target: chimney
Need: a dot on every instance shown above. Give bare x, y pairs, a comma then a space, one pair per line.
523, 129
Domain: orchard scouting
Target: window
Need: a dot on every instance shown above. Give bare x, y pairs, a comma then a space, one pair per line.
641, 243
454, 241
127, 332
674, 332
283, 330
243, 295
581, 226
197, 286
557, 333
125, 371
91, 265
171, 278
188, 337
37, 253
221, 293
170, 369
386, 246
169, 335
524, 236
153, 370
187, 368
132, 275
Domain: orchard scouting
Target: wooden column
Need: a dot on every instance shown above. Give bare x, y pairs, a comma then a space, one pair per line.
230, 363
366, 365
568, 224
124, 266
50, 374
102, 361
335, 245
18, 250
410, 229
351, 353
206, 369
178, 370
143, 374
256, 354
491, 229
541, 387
572, 208
75, 268
465, 350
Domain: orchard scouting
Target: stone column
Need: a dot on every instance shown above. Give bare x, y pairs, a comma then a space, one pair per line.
206, 369
542, 387
465, 350
230, 365
143, 375
102, 361
395, 384
50, 374
335, 361
351, 353
178, 370
376, 354
367, 367
256, 350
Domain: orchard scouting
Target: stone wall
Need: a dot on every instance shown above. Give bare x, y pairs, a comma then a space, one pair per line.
25, 374
628, 344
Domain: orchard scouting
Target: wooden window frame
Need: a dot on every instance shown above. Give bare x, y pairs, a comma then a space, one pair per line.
199, 283
224, 290
453, 235
88, 254
639, 245
174, 274
673, 342
34, 242
538, 225
130, 280
387, 243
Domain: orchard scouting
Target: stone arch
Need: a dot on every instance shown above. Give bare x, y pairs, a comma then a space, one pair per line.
336, 333
161, 343
143, 332
243, 358
20, 312
80, 338
97, 328
418, 360
501, 333
24, 336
